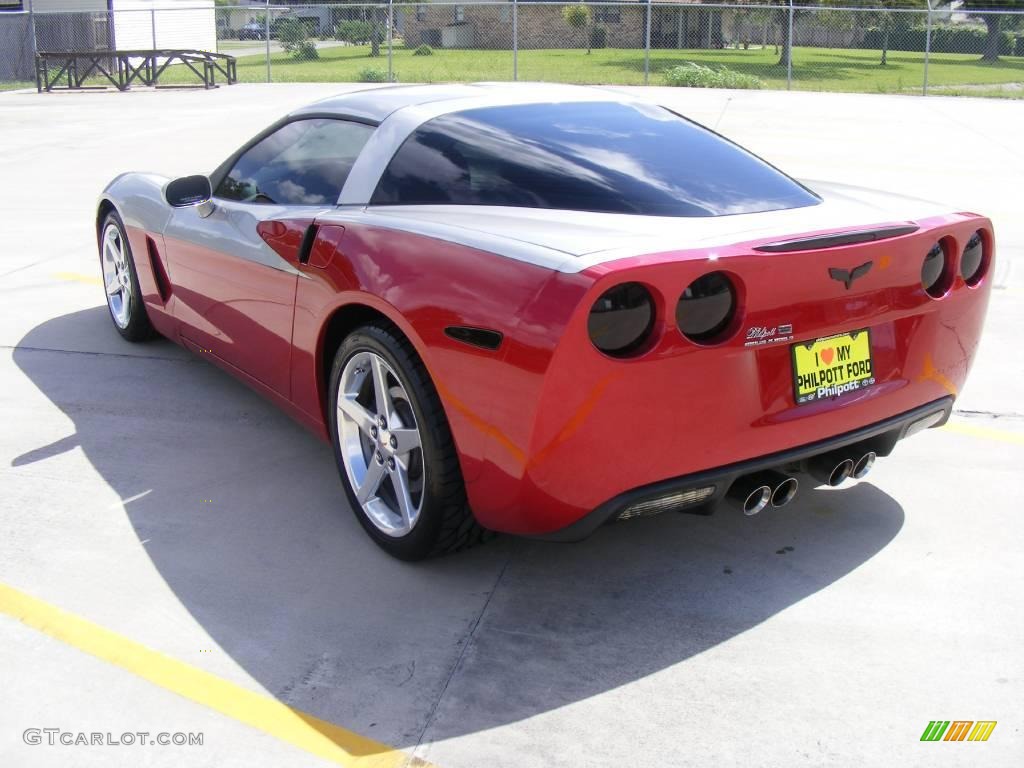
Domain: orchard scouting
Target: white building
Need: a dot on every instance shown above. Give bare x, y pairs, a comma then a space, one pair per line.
189, 24
124, 24
97, 25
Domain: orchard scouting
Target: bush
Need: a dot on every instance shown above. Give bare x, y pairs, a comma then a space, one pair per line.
423, 50
599, 37
304, 51
375, 75
354, 31
294, 37
947, 38
693, 75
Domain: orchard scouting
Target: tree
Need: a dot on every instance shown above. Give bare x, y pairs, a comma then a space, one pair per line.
578, 17
993, 21
888, 19
787, 30
377, 29
799, 9
294, 37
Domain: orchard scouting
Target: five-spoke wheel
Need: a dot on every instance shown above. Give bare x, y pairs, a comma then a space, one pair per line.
380, 443
395, 452
121, 284
116, 277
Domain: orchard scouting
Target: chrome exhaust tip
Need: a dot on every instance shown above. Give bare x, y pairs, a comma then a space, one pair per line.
863, 465
784, 492
749, 495
757, 500
841, 472
783, 486
831, 469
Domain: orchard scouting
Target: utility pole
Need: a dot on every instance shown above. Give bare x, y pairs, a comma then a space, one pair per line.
647, 43
789, 50
927, 48
266, 33
515, 39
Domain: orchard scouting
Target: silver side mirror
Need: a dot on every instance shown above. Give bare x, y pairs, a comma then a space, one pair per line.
190, 191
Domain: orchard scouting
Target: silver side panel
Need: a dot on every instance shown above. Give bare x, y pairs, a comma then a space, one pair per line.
139, 198
571, 241
231, 230
422, 220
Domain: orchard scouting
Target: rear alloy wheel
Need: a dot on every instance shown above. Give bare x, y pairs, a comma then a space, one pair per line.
394, 449
380, 443
124, 299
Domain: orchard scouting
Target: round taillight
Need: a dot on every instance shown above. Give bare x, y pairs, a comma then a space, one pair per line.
972, 262
621, 319
706, 308
935, 274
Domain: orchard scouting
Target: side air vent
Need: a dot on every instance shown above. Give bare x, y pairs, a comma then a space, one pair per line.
308, 238
163, 285
476, 337
818, 242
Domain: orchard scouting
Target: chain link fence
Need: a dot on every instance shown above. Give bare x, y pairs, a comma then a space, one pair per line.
888, 46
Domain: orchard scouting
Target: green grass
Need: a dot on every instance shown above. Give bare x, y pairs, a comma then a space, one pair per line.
13, 85
819, 69
824, 69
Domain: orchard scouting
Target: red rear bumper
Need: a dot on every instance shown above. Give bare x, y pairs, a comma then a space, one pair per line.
597, 428
701, 491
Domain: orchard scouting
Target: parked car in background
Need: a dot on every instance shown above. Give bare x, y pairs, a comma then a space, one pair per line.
253, 30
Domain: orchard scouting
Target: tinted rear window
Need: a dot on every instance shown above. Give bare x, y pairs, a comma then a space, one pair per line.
607, 157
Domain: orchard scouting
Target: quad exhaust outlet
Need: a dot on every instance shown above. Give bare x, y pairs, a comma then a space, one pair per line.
754, 493
835, 467
757, 491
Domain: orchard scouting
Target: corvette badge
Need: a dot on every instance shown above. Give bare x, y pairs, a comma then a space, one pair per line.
846, 277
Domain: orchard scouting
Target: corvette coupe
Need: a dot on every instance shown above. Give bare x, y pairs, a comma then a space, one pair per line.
537, 309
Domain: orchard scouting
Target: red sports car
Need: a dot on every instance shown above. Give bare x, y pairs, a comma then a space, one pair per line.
537, 309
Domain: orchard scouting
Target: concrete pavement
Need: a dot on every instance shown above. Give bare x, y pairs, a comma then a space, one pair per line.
147, 492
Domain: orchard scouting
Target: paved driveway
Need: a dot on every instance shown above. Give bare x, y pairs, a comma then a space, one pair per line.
195, 543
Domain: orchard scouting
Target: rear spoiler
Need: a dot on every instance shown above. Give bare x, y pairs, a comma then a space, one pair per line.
817, 242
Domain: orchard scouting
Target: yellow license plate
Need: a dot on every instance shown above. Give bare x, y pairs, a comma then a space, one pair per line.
833, 366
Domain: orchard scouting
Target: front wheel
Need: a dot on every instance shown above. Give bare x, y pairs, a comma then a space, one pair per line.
121, 283
394, 448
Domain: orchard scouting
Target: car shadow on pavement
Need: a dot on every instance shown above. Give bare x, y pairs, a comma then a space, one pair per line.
242, 515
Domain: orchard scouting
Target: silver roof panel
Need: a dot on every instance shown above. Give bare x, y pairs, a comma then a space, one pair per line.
378, 103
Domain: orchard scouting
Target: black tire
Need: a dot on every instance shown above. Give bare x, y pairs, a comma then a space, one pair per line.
445, 524
138, 327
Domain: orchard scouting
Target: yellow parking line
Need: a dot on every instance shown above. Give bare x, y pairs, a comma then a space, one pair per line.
986, 433
76, 277
318, 737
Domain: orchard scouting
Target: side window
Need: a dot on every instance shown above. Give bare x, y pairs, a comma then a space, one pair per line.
303, 163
